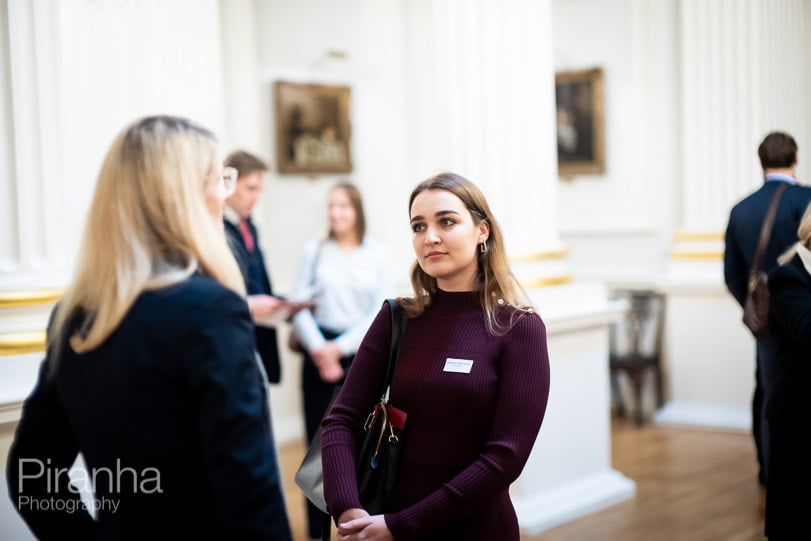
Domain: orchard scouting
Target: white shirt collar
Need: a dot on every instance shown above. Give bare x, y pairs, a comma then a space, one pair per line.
165, 273
230, 215
805, 256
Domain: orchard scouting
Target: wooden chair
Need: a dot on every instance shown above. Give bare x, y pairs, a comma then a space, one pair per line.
636, 347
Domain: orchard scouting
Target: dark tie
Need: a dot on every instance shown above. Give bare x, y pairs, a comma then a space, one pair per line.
246, 234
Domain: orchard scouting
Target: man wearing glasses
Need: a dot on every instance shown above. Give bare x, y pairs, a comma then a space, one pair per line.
242, 237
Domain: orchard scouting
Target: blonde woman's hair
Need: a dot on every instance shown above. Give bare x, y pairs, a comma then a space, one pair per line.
147, 227
497, 286
803, 233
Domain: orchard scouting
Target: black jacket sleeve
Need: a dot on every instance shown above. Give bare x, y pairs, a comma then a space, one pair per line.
44, 449
790, 303
234, 424
736, 275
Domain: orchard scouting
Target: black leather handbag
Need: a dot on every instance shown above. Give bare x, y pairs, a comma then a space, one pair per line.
379, 453
379, 446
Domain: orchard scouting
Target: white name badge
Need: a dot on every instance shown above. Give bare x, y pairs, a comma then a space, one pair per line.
460, 366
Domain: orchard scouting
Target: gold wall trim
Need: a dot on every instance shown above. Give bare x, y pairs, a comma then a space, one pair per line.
697, 255
21, 343
698, 235
539, 256
32, 297
548, 281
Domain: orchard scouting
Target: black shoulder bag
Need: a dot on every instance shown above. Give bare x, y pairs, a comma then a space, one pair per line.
379, 446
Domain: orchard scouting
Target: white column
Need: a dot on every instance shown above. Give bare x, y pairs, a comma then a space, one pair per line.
32, 245
744, 72
482, 86
241, 76
8, 212
33, 260
483, 94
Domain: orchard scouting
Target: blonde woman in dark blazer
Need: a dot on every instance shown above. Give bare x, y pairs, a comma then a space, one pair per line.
150, 370
788, 409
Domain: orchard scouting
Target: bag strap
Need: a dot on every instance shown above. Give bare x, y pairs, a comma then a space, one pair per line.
399, 323
316, 261
326, 526
766, 228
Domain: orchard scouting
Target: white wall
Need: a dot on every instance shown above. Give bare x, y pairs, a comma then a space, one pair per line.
293, 41
618, 225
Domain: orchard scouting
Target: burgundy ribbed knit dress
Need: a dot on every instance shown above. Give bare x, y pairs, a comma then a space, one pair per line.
467, 436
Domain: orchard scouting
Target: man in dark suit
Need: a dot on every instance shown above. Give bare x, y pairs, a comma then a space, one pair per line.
244, 241
778, 157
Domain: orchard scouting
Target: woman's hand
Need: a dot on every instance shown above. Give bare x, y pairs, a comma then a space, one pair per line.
327, 360
331, 373
368, 528
351, 514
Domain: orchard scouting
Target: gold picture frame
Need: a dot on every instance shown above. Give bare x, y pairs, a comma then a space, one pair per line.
312, 128
580, 129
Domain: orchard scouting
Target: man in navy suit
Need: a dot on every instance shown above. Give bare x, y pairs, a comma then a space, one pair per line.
778, 157
244, 241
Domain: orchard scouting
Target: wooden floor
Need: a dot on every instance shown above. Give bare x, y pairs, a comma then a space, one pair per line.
692, 484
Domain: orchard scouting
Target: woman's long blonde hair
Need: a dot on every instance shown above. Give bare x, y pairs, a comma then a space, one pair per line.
148, 217
803, 233
497, 286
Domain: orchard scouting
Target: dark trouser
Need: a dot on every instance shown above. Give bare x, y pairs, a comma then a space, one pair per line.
317, 395
787, 495
764, 384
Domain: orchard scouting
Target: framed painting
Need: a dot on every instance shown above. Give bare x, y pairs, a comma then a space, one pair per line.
312, 128
580, 130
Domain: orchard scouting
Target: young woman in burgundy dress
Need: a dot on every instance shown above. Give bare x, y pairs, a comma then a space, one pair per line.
472, 376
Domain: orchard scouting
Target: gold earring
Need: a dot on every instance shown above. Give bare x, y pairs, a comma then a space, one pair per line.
483, 246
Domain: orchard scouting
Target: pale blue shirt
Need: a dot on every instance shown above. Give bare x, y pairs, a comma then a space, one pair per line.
781, 178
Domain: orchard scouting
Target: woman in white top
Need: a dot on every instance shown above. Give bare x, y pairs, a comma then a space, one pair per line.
346, 277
